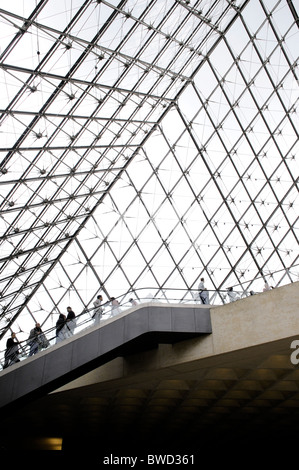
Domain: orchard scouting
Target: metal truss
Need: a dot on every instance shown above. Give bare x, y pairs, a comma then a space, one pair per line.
145, 144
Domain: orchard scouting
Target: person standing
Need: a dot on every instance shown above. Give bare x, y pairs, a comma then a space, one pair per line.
266, 287
115, 306
11, 355
34, 339
70, 322
98, 309
37, 340
203, 293
231, 294
60, 328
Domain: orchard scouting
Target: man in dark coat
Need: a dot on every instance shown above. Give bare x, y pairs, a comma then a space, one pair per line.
70, 322
12, 352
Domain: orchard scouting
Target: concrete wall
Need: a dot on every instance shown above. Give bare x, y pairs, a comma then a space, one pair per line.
255, 320
261, 318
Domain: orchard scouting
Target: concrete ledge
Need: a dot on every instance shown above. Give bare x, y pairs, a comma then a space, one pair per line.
142, 328
248, 324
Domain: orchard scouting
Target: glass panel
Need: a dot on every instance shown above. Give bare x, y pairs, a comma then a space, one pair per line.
144, 145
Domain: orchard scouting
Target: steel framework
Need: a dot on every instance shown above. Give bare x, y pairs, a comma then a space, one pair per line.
144, 144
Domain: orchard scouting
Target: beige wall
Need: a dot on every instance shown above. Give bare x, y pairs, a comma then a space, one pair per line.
261, 318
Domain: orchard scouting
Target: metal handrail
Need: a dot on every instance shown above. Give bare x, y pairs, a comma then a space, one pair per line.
85, 319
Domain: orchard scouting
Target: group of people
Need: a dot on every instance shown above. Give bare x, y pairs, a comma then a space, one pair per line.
65, 325
99, 307
36, 341
203, 293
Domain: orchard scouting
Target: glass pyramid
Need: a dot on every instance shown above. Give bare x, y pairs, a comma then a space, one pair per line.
145, 144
